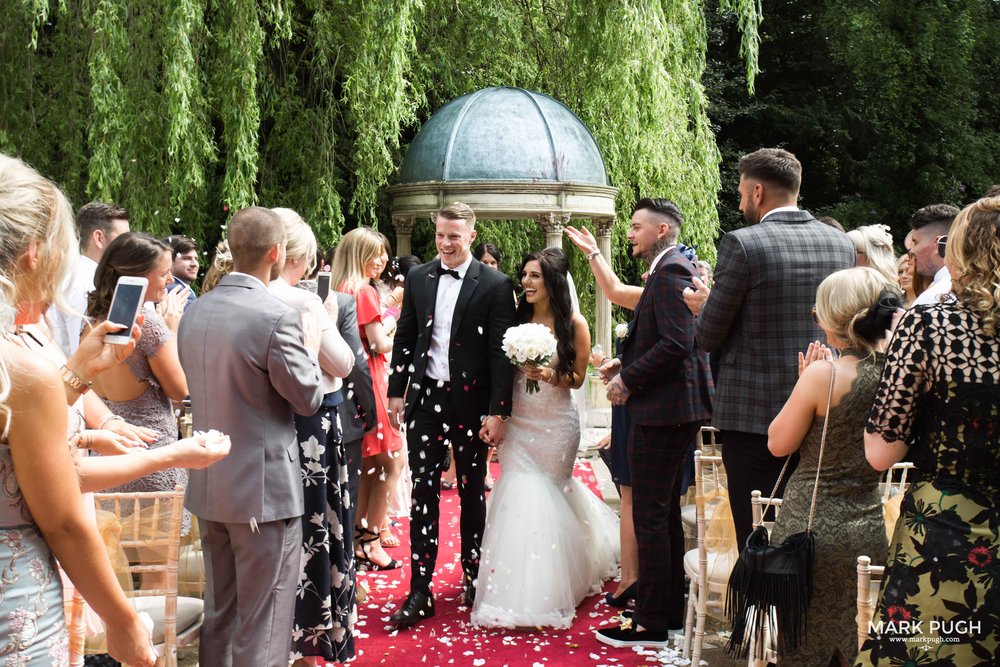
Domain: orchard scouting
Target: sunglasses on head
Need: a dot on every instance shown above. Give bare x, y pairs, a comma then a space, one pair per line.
814, 315
942, 243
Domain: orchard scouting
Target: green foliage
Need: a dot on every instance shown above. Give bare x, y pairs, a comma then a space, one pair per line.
186, 110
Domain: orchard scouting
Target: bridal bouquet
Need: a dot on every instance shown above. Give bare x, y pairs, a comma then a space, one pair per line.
529, 344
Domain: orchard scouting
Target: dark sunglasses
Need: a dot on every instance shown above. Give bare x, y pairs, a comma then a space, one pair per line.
942, 242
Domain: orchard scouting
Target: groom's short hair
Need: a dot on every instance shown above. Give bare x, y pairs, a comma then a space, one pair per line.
458, 211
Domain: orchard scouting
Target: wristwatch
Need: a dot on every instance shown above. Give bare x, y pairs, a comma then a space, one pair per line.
75, 382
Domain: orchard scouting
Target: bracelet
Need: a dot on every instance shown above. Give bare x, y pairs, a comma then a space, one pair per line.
74, 381
110, 418
592, 255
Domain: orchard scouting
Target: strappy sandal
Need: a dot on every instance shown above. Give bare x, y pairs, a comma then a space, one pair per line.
370, 536
388, 538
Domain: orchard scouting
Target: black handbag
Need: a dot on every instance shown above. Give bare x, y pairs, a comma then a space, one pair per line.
772, 583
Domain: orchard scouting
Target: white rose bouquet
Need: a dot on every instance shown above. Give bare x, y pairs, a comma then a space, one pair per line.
529, 344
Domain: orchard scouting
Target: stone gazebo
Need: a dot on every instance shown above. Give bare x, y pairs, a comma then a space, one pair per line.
509, 154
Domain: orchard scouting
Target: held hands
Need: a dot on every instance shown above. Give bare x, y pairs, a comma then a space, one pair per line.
696, 298
610, 369
494, 431
815, 352
581, 238
94, 356
395, 409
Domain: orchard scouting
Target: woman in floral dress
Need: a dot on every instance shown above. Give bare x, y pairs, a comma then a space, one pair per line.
938, 405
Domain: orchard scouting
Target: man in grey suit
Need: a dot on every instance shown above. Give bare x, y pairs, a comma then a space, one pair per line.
758, 315
248, 370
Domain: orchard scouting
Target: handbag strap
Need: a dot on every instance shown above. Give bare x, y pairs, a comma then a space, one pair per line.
819, 462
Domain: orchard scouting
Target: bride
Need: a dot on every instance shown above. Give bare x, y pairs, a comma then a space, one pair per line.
549, 541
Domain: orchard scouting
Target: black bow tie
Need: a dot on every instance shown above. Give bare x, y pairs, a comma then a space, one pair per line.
441, 271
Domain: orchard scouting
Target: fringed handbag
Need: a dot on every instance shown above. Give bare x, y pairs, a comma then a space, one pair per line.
772, 584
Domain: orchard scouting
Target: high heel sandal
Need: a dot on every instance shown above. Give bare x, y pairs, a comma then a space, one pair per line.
622, 600
370, 536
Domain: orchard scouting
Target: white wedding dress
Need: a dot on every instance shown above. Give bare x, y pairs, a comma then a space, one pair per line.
549, 541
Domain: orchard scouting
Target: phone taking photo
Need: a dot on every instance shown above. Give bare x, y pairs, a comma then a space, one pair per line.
323, 285
129, 295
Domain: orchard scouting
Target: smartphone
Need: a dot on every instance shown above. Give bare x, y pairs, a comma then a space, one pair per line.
323, 285
125, 304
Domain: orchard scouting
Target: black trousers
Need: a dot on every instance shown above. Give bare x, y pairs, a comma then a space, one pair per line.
435, 425
656, 455
750, 466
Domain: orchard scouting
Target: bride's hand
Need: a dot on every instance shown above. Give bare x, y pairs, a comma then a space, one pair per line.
536, 373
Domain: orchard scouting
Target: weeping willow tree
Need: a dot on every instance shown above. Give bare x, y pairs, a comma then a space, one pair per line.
186, 110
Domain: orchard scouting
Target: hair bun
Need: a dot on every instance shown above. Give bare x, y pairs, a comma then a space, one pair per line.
878, 319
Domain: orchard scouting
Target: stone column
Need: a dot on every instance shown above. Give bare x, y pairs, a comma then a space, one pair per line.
404, 232
602, 308
552, 224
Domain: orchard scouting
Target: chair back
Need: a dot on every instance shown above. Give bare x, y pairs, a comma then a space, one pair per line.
869, 582
894, 481
150, 537
758, 502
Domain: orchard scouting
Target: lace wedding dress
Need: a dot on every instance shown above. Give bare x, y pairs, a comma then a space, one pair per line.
549, 541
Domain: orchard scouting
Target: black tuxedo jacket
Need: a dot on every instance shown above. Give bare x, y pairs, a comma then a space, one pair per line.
662, 366
482, 378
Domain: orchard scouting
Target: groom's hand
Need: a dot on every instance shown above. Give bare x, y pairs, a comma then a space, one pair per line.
395, 410
494, 431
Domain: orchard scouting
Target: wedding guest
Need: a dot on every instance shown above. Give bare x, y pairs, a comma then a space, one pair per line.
323, 629
98, 224
626, 296
929, 228
664, 381
873, 247
221, 266
938, 405
141, 389
831, 222
489, 255
705, 272
854, 307
185, 266
905, 277
757, 315
359, 260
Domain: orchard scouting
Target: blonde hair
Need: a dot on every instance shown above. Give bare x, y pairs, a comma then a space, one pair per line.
33, 210
875, 242
973, 255
846, 302
222, 265
301, 244
357, 248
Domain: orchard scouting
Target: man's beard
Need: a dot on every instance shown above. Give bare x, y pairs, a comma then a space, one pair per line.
751, 215
659, 246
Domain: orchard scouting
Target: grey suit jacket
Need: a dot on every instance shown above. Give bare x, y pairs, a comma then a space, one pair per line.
759, 313
357, 412
241, 348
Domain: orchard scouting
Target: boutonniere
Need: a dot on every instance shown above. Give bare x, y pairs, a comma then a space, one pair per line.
621, 331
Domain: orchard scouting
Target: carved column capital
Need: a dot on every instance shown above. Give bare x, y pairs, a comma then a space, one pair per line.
603, 226
404, 224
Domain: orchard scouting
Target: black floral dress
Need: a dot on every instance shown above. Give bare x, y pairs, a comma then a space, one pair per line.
940, 599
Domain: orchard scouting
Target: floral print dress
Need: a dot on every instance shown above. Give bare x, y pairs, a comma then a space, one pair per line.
32, 624
940, 391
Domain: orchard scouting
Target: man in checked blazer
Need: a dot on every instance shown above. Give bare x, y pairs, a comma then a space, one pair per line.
666, 385
758, 315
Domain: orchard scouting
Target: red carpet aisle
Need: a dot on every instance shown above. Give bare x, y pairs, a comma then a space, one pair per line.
449, 639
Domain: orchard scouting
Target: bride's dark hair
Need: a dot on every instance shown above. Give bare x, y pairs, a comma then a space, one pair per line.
555, 267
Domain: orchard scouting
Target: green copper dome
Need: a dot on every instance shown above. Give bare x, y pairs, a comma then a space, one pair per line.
504, 134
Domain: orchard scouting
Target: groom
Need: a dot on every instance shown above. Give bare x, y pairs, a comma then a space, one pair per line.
448, 362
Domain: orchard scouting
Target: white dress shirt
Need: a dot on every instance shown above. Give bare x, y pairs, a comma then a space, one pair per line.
941, 285
438, 365
66, 327
780, 209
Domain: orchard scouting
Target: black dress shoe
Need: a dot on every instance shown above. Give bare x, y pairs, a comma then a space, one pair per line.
468, 595
623, 599
418, 606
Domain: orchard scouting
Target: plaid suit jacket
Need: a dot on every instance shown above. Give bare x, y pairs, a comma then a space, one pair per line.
759, 312
667, 375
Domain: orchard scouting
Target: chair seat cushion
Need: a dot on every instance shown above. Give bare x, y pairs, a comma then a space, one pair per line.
189, 612
720, 565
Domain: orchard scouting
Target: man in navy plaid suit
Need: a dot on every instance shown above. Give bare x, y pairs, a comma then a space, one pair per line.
758, 315
665, 382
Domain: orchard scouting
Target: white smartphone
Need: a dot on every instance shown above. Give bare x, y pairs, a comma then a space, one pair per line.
125, 304
323, 285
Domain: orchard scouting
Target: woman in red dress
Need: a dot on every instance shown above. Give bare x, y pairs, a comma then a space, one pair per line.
358, 262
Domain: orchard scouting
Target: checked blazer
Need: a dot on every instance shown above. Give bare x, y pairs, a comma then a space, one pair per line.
667, 375
759, 312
